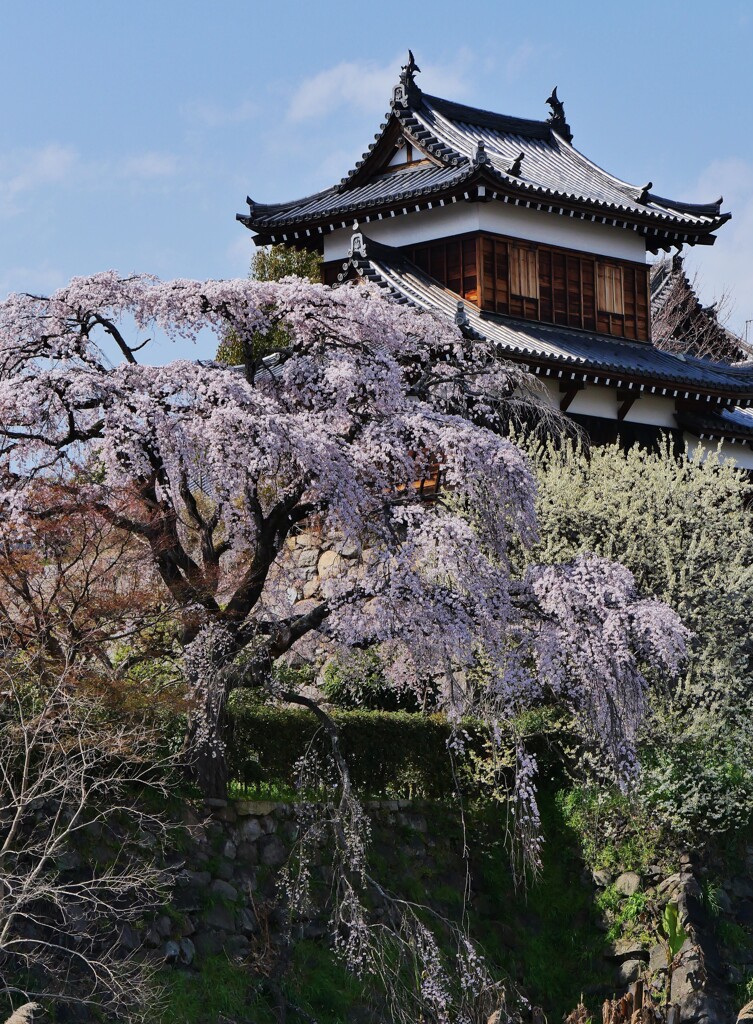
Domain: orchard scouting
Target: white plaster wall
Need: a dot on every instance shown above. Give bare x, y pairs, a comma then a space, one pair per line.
596, 400
569, 232
740, 454
409, 229
653, 409
497, 218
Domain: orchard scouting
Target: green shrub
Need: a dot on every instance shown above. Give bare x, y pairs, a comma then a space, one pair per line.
389, 753
356, 680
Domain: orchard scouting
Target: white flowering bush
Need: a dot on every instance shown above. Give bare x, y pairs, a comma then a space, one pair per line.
682, 527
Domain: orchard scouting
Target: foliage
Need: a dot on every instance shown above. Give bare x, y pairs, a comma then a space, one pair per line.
218, 988
547, 934
613, 832
270, 263
213, 473
680, 523
672, 930
275, 262
388, 753
356, 679
211, 470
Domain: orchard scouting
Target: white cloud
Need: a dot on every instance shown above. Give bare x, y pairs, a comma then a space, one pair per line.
30, 173
213, 115
727, 267
366, 86
24, 171
149, 165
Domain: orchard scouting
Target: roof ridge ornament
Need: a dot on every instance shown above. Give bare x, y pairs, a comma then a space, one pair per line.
461, 317
406, 90
642, 196
557, 118
357, 244
514, 169
480, 156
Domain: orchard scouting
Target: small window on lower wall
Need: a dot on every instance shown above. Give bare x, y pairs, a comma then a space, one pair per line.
610, 291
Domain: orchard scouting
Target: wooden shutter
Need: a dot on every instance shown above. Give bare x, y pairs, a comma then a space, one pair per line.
524, 272
610, 291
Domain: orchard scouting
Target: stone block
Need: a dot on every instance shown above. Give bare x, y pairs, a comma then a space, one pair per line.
628, 883
307, 557
171, 952
224, 869
237, 946
224, 890
164, 926
187, 952
229, 850
218, 916
193, 879
348, 548
628, 949
329, 564
272, 851
250, 829
247, 853
258, 807
246, 922
657, 960
129, 938
629, 971
209, 943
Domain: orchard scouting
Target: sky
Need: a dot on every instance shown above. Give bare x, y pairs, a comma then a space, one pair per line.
132, 132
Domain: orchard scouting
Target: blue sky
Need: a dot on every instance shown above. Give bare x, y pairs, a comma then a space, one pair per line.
132, 132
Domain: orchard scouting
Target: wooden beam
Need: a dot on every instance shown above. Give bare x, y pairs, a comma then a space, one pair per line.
628, 398
569, 389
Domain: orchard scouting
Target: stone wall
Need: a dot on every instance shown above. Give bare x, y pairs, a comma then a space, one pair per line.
225, 884
226, 899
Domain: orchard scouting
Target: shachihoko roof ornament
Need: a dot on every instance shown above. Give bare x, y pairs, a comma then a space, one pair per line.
557, 118
401, 94
515, 167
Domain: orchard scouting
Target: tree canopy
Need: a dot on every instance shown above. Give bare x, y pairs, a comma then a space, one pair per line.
212, 468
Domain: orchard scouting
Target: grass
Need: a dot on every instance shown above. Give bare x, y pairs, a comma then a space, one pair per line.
317, 983
220, 987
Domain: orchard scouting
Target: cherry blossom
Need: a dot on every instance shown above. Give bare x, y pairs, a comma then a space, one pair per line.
214, 468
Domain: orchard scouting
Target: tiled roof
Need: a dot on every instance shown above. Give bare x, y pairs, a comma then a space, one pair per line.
683, 324
555, 350
334, 203
725, 424
467, 147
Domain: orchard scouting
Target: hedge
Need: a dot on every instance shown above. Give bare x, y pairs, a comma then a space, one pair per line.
389, 753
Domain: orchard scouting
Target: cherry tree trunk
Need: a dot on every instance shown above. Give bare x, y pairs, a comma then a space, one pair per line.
205, 744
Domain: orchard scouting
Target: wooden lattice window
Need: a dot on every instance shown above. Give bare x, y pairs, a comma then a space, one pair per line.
524, 272
611, 296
